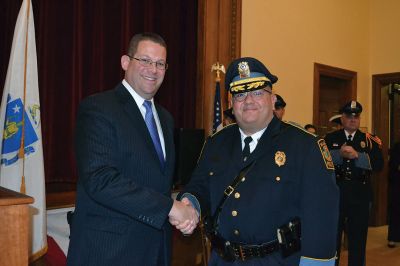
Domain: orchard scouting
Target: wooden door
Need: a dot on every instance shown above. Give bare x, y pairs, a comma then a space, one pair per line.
333, 87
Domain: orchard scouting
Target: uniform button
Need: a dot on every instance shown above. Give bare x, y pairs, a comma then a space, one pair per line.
278, 178
236, 232
234, 213
237, 195
211, 173
348, 160
348, 168
244, 159
243, 179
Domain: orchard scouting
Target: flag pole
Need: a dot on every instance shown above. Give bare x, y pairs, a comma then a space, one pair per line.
21, 153
217, 121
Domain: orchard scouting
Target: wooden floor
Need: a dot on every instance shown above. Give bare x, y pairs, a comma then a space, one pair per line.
378, 253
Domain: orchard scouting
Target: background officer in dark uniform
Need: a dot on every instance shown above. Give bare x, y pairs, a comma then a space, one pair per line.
355, 155
280, 105
291, 175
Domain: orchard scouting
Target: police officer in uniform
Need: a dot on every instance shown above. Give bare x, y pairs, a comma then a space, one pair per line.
280, 105
355, 155
268, 186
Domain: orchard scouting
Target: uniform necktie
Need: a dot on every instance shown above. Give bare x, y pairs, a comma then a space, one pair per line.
246, 149
152, 127
349, 139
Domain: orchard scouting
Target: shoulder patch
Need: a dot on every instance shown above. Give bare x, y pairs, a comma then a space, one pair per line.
326, 155
299, 127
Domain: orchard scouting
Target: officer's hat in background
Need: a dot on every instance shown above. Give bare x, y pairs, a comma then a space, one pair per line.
351, 108
336, 119
229, 113
247, 74
280, 103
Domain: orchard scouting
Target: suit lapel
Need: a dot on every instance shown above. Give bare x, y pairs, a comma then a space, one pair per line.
168, 138
132, 110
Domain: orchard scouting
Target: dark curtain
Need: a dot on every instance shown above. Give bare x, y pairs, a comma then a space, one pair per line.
79, 46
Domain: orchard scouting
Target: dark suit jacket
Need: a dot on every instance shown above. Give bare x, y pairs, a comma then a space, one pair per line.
273, 193
123, 196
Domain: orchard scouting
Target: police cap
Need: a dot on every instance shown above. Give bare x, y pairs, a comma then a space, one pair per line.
247, 74
351, 108
336, 119
280, 103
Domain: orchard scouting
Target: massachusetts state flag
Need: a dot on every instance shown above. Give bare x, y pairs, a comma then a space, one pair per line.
21, 167
217, 123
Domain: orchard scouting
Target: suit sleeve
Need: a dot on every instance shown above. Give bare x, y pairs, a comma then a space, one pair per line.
320, 205
100, 171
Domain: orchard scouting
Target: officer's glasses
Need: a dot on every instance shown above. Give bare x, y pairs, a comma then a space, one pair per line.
240, 97
146, 62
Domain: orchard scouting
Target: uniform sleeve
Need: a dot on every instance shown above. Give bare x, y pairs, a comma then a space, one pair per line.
198, 184
320, 206
304, 261
375, 156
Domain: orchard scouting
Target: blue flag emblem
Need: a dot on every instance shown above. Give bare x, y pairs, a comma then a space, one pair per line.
13, 132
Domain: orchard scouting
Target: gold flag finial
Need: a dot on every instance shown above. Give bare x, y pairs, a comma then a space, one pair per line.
218, 68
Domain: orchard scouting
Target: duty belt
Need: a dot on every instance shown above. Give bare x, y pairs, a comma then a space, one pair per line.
348, 176
231, 251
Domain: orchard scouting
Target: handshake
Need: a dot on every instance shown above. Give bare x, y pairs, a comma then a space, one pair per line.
183, 216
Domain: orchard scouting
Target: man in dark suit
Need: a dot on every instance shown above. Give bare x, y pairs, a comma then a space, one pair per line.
261, 176
125, 156
355, 155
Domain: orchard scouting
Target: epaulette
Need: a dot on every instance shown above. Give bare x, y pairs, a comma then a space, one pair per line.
373, 138
222, 129
299, 127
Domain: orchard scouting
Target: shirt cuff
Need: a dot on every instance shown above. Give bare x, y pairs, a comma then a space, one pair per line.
193, 200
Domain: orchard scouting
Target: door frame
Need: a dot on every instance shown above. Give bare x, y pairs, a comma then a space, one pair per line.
335, 72
380, 180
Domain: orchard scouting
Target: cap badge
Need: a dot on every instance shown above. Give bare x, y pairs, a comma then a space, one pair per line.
244, 70
280, 158
362, 144
353, 104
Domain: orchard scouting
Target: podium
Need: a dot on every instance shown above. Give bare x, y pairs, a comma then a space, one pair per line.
14, 230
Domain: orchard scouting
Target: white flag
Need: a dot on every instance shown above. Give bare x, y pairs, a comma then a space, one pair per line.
20, 124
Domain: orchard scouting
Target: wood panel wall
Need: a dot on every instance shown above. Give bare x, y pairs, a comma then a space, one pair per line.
219, 39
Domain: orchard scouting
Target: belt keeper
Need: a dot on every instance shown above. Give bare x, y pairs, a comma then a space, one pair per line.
228, 191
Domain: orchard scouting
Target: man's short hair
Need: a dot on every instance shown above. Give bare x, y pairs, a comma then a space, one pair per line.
145, 36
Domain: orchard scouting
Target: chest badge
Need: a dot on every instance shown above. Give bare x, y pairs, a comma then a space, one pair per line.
280, 158
362, 144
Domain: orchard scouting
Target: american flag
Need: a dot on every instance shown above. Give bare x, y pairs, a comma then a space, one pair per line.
217, 125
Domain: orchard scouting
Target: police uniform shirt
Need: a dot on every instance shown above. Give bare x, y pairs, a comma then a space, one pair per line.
256, 137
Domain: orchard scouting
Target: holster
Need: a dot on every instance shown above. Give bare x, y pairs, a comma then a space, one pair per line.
289, 237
